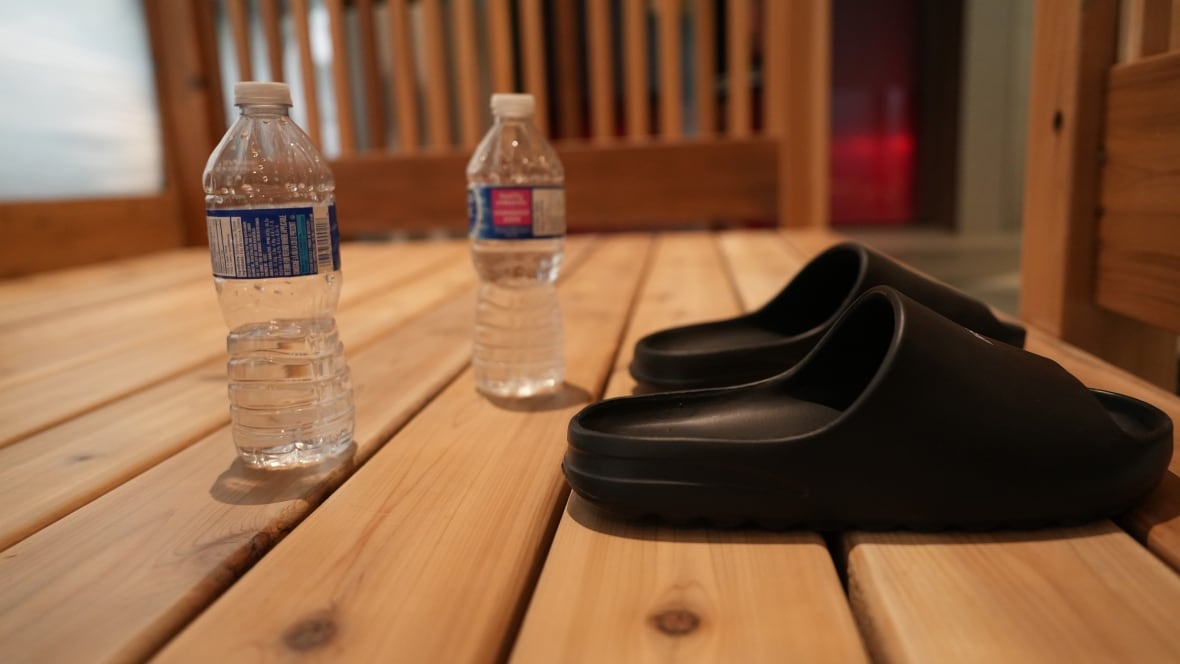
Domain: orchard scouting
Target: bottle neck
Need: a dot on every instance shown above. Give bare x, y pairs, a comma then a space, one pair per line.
265, 110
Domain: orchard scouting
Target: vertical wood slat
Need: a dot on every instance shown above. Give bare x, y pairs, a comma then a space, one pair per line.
774, 92
340, 77
239, 23
500, 45
1074, 46
404, 81
300, 15
437, 95
269, 10
467, 70
532, 37
805, 61
635, 68
705, 60
671, 97
569, 78
738, 90
1146, 28
602, 103
1174, 31
370, 74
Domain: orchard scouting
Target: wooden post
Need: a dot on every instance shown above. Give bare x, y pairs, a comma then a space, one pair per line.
805, 27
1074, 45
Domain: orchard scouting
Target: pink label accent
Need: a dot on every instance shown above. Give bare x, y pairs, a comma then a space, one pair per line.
512, 207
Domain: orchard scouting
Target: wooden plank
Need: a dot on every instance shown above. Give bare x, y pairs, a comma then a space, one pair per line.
438, 97
705, 65
602, 100
467, 479
311, 102
1073, 49
608, 588
500, 45
371, 74
635, 69
341, 81
47, 236
803, 150
568, 59
43, 401
118, 577
27, 299
1077, 594
92, 454
738, 68
239, 24
650, 185
1138, 264
1156, 521
671, 90
533, 58
762, 264
404, 80
471, 103
271, 15
1146, 28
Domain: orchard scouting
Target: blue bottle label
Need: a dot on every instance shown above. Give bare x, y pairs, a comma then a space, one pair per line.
273, 242
515, 212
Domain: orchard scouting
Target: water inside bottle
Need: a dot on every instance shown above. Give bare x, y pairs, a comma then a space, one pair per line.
518, 339
290, 392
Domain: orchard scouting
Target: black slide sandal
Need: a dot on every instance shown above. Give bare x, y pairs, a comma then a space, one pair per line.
776, 336
897, 418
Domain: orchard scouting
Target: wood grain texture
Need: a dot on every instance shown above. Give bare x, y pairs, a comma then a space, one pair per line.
121, 575
45, 476
341, 80
370, 74
609, 588
57, 292
1146, 28
803, 149
451, 519
1078, 594
438, 96
623, 187
737, 121
1073, 49
533, 59
239, 25
635, 69
1174, 31
405, 83
599, 52
500, 45
671, 90
271, 15
705, 67
311, 102
570, 78
1138, 264
47, 236
471, 102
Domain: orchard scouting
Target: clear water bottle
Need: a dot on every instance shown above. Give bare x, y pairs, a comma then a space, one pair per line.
271, 216
516, 210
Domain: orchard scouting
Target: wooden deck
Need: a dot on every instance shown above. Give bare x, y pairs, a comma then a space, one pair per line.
130, 532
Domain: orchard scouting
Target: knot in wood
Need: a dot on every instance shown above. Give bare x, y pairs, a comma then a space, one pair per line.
676, 622
312, 633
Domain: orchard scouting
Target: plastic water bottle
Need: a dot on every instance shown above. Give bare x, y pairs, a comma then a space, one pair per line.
271, 216
516, 210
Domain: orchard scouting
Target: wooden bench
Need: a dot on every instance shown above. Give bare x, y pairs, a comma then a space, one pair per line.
131, 532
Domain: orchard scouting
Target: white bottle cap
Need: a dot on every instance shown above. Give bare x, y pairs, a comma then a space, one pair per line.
506, 105
262, 92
